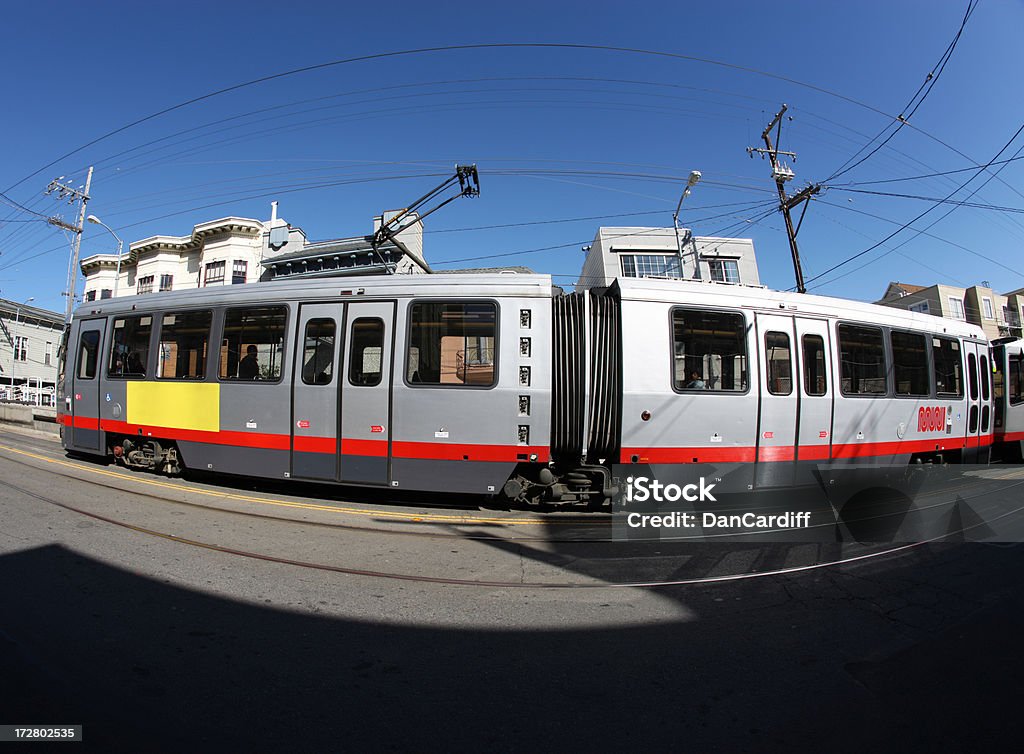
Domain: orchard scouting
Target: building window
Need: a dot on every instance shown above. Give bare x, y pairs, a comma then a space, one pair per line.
129, 351
366, 348
921, 307
776, 355
253, 344
815, 379
146, 284
184, 344
318, 352
1011, 316
650, 266
956, 308
948, 367
709, 350
214, 274
986, 308
106, 293
21, 348
48, 353
90, 295
862, 360
724, 270
238, 271
452, 344
166, 282
910, 363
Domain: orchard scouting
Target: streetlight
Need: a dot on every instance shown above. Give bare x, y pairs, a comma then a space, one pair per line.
694, 177
14, 353
96, 221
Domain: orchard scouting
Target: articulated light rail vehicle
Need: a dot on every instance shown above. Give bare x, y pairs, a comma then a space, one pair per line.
502, 385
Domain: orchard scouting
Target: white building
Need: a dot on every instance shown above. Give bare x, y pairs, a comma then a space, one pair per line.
29, 342
664, 253
236, 250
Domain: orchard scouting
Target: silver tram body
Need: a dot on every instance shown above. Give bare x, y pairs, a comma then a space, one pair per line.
503, 385
1008, 358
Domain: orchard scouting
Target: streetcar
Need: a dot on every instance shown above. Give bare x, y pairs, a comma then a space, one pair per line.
503, 385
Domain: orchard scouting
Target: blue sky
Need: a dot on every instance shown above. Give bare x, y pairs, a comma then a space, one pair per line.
558, 134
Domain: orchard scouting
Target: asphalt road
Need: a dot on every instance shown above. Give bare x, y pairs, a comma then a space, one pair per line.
162, 615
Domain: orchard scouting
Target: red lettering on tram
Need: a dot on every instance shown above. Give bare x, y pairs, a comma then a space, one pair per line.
931, 418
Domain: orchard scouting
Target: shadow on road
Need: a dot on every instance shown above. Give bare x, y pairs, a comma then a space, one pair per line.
807, 665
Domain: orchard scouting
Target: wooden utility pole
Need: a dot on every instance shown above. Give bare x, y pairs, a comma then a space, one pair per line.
781, 172
80, 195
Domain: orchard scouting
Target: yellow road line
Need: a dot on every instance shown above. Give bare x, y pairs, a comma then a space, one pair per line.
396, 515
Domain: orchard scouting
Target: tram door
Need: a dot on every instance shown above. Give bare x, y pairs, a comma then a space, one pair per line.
84, 396
315, 390
979, 399
814, 430
780, 401
366, 392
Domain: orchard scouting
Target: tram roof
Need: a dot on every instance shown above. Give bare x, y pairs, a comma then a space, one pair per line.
712, 294
321, 289
702, 293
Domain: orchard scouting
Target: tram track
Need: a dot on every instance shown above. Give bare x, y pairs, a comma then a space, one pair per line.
898, 550
420, 578
398, 517
894, 551
596, 521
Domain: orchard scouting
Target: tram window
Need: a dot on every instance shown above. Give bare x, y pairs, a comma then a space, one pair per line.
452, 344
129, 353
910, 363
1015, 379
985, 375
709, 351
252, 348
972, 375
776, 356
998, 385
862, 360
318, 352
815, 381
949, 381
88, 351
366, 350
184, 344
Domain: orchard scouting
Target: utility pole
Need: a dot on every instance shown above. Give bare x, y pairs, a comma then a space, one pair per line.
80, 195
782, 173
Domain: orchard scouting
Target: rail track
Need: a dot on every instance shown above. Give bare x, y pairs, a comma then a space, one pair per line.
114, 480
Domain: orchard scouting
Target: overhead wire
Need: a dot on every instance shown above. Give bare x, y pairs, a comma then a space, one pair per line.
910, 108
443, 49
907, 225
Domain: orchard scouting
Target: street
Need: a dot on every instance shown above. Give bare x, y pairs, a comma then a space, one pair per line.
181, 625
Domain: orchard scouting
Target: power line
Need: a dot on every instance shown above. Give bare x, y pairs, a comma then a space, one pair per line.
926, 175
521, 252
491, 79
437, 49
580, 219
18, 206
957, 202
929, 82
903, 227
